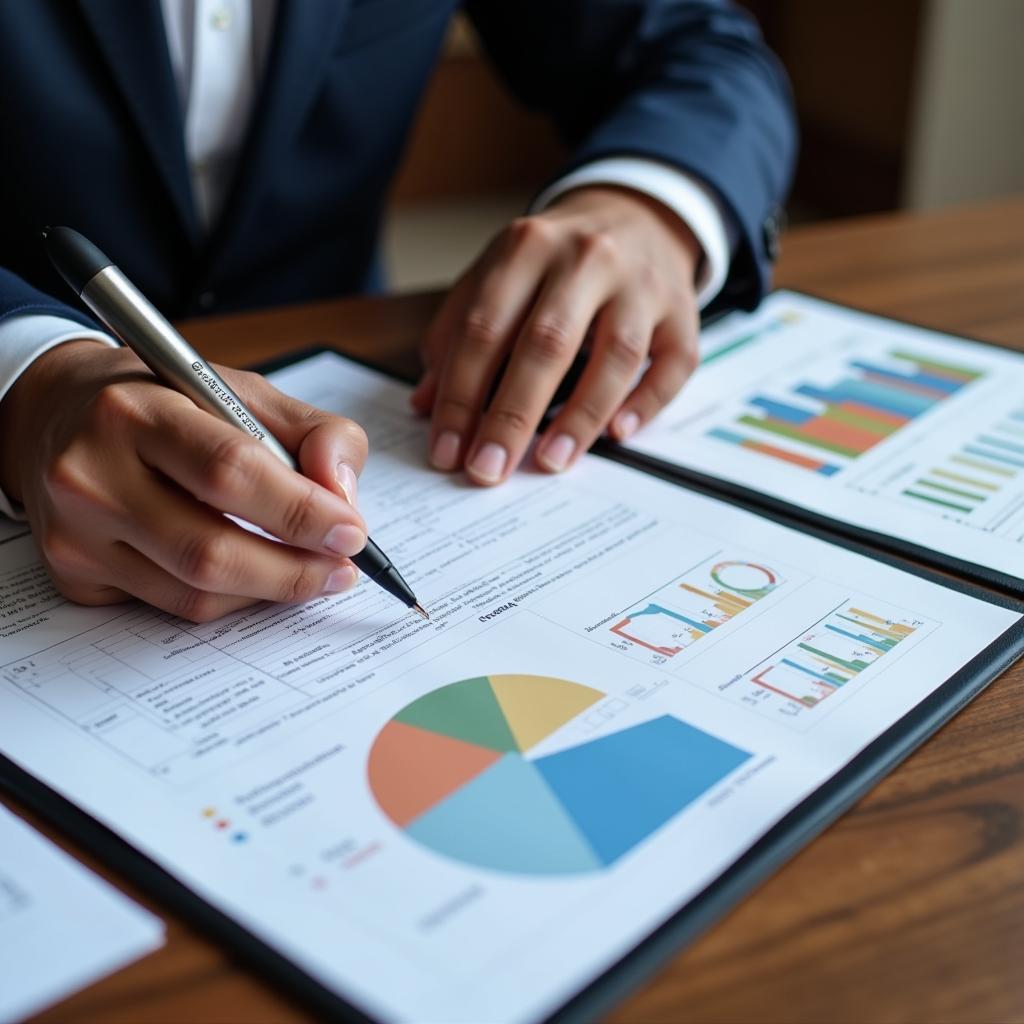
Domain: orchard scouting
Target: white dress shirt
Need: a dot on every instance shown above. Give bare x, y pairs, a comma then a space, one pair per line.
218, 51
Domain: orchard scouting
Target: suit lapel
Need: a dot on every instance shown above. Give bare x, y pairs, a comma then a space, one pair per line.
132, 38
304, 34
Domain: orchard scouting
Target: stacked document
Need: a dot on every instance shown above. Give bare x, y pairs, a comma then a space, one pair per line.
624, 687
901, 435
61, 927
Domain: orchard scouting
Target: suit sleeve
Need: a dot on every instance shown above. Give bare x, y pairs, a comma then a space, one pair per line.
690, 83
18, 297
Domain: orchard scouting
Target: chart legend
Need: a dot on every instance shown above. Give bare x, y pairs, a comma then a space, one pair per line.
454, 771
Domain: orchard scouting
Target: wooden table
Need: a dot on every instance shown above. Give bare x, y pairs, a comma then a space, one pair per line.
911, 908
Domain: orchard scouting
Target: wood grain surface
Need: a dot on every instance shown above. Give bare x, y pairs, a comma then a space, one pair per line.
911, 907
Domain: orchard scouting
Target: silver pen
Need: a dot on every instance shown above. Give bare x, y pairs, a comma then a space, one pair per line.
141, 326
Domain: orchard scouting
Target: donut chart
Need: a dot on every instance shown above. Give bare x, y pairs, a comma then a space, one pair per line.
453, 770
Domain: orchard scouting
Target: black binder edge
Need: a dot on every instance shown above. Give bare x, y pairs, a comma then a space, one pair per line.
801, 824
750, 498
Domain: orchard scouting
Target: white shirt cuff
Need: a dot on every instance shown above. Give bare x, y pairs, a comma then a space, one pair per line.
23, 339
683, 194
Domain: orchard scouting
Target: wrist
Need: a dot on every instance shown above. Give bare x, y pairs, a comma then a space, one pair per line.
24, 402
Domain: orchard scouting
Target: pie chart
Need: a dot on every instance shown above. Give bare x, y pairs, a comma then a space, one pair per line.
454, 771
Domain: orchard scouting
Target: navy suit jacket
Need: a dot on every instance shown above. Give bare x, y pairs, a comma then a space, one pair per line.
92, 133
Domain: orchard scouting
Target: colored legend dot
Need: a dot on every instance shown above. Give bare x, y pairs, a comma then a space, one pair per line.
223, 823
209, 812
319, 883
240, 837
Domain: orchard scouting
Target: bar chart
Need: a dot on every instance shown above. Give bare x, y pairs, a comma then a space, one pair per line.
978, 472
830, 657
823, 427
714, 348
902, 432
691, 607
969, 474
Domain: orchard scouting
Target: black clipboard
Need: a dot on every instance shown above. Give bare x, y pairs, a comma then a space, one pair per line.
755, 500
803, 823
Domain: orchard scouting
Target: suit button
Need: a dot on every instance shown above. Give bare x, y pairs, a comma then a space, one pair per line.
770, 231
207, 300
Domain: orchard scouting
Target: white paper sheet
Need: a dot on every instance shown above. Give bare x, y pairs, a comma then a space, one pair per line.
882, 425
622, 686
61, 927
9, 528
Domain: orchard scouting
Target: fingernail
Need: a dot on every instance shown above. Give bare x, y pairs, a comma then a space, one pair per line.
626, 424
489, 463
347, 481
345, 539
446, 451
341, 579
558, 453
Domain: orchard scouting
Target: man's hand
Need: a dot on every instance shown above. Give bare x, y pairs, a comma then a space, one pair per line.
125, 483
603, 265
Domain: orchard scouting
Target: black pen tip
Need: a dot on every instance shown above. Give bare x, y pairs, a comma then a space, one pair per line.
418, 608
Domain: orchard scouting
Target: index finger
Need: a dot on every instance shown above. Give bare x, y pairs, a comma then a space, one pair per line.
331, 449
547, 344
232, 472
481, 322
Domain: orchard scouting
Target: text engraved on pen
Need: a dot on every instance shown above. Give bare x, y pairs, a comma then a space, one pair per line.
213, 385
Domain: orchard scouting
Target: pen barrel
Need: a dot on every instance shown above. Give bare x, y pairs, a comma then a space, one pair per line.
127, 312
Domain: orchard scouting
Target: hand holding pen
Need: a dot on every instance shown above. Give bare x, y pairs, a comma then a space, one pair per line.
125, 481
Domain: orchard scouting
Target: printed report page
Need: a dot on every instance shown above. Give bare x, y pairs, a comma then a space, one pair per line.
61, 927
882, 425
622, 686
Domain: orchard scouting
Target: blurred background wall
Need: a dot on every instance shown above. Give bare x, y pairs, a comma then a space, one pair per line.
901, 104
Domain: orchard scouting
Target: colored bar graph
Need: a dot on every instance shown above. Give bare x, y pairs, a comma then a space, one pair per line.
728, 348
974, 474
642, 626
871, 401
882, 646
691, 607
781, 411
975, 449
833, 654
879, 424
957, 373
825, 468
920, 382
890, 398
933, 500
819, 432
963, 460
1001, 443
